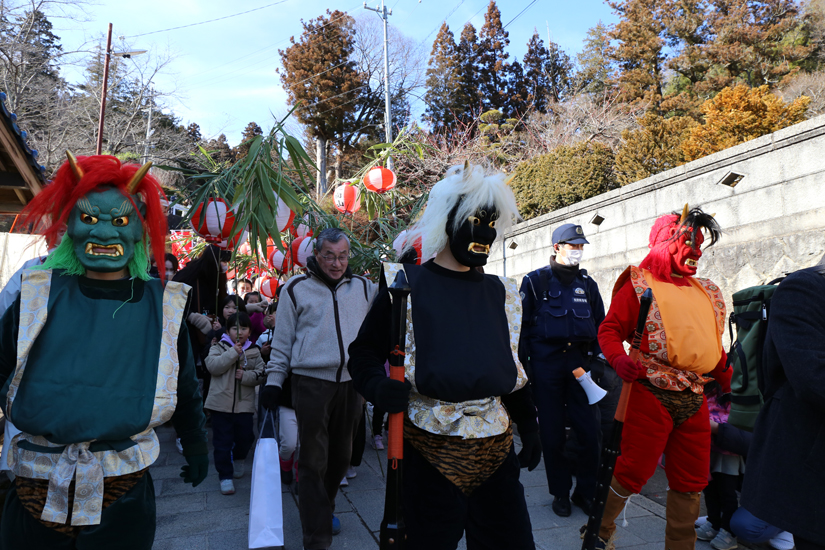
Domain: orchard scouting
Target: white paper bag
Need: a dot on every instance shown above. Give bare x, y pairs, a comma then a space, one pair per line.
266, 518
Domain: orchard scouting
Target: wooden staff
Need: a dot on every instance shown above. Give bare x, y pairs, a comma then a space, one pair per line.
393, 534
612, 446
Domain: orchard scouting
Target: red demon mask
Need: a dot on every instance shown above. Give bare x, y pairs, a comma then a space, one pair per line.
675, 244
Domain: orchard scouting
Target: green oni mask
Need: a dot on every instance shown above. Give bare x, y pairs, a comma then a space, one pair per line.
105, 230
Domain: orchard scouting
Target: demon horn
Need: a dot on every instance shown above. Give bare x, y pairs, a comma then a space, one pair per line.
685, 211
76, 169
135, 181
466, 171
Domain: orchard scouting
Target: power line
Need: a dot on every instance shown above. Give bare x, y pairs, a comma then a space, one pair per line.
519, 14
210, 20
220, 76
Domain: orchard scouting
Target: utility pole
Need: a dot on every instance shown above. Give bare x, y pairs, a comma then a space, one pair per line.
383, 13
106, 58
149, 130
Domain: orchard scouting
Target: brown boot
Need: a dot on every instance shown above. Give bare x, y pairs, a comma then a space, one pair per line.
682, 512
612, 508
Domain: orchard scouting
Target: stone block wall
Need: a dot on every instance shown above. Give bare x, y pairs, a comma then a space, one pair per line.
773, 219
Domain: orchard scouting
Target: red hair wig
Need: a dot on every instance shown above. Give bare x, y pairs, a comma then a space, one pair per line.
51, 207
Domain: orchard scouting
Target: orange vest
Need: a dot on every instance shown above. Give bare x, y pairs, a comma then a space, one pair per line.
692, 345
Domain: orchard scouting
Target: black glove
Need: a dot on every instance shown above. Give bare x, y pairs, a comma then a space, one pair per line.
197, 466
270, 396
530, 454
392, 396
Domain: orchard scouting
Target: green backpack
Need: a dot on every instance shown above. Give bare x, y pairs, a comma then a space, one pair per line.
751, 312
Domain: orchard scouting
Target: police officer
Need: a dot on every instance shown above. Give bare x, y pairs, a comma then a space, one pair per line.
562, 313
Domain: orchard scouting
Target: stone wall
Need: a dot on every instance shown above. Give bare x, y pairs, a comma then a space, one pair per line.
773, 219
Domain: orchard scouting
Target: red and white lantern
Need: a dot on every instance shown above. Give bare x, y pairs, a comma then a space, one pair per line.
380, 179
213, 221
281, 261
269, 286
284, 216
302, 249
302, 227
182, 242
347, 199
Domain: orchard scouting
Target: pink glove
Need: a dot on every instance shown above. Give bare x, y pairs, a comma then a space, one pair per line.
627, 369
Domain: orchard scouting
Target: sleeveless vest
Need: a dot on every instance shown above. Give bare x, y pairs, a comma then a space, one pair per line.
660, 373
35, 457
470, 419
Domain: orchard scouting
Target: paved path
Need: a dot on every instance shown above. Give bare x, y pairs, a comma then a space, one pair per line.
201, 518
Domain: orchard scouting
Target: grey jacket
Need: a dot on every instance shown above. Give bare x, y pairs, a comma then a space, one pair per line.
315, 326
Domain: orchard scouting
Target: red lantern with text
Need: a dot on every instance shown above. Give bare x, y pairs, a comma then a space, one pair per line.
379, 179
269, 286
347, 199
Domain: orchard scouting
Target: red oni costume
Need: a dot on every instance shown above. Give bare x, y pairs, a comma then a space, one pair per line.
681, 351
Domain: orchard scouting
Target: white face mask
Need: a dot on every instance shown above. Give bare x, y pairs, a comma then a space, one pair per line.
571, 257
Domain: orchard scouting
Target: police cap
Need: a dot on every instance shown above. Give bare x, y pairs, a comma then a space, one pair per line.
569, 233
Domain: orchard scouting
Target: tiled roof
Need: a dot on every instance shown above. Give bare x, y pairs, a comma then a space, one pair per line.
10, 120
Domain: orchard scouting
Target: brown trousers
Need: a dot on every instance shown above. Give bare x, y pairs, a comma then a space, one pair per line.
327, 414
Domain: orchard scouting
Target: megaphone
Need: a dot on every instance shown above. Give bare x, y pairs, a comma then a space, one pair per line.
593, 391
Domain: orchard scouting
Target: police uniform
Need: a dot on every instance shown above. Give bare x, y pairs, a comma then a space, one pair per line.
559, 334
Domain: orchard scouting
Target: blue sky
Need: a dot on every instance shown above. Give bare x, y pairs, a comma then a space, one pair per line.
224, 72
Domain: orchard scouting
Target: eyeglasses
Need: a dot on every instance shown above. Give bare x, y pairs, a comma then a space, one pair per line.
330, 258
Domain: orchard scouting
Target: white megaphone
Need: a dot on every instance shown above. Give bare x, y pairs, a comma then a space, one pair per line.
593, 391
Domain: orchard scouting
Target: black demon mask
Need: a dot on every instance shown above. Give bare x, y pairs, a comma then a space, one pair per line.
470, 243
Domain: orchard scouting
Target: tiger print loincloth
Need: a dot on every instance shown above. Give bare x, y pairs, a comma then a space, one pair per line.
32, 494
681, 405
467, 463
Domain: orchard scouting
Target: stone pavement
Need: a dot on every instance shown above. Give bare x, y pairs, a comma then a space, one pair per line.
201, 518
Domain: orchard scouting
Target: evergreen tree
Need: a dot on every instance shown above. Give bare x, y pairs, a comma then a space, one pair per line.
468, 71
193, 132
595, 66
444, 96
755, 43
639, 51
559, 71
535, 76
493, 68
252, 129
220, 151
519, 98
321, 78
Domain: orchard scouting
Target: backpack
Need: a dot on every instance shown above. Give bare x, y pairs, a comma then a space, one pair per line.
751, 313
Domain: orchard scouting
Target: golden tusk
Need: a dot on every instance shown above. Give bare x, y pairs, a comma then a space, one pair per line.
135, 181
76, 169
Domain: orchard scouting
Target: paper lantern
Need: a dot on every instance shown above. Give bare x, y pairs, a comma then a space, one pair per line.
284, 216
347, 199
302, 249
213, 221
281, 261
269, 285
379, 179
401, 241
302, 227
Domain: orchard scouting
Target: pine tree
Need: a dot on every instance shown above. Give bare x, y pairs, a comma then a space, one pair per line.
755, 43
444, 96
193, 132
519, 98
535, 76
639, 51
595, 66
468, 71
493, 68
320, 77
252, 130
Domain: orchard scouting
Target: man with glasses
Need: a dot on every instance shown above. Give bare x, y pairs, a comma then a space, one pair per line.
319, 315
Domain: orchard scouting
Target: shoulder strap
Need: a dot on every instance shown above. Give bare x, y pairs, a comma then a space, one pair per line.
545, 276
